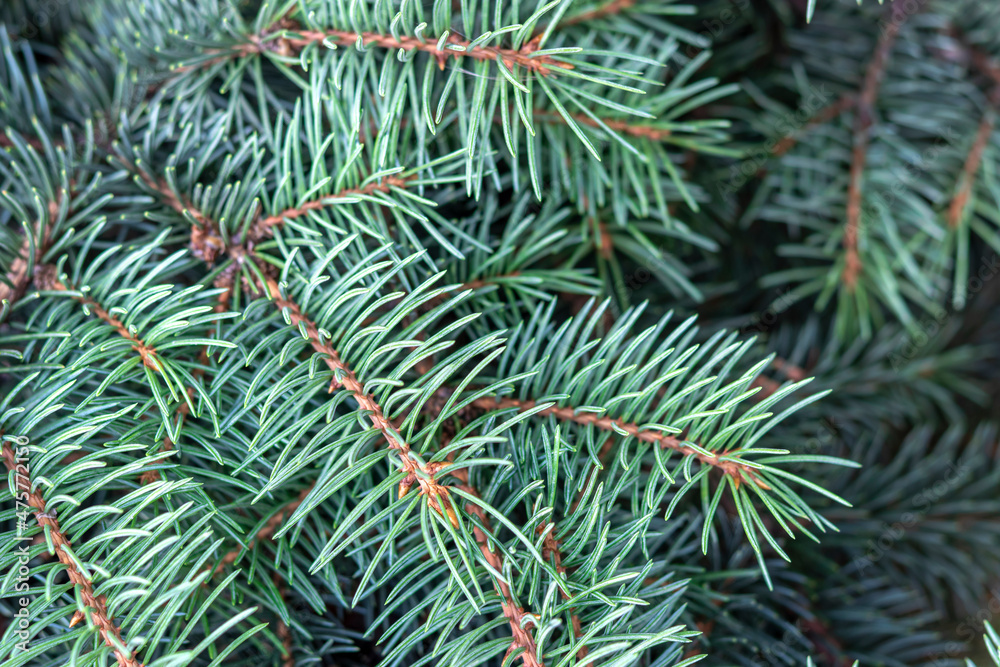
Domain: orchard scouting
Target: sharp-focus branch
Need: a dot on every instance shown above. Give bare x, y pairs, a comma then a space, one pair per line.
454, 47
344, 377
550, 549
47, 280
740, 472
261, 229
422, 474
97, 604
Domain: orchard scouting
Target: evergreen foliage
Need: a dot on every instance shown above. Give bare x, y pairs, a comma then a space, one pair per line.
404, 332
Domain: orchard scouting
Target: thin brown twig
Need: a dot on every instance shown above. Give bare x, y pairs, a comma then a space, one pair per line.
967, 179
263, 228
424, 475
608, 9
863, 121
297, 40
97, 604
824, 115
47, 280
550, 549
265, 533
740, 472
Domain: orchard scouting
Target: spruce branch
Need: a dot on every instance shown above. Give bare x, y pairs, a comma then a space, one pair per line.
424, 474
739, 472
970, 168
263, 228
344, 378
821, 117
47, 280
265, 533
610, 8
97, 604
864, 120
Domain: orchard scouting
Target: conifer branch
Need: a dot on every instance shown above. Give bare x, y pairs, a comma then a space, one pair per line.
864, 120
970, 168
550, 549
265, 533
263, 227
47, 280
289, 45
823, 116
611, 8
97, 604
344, 377
424, 475
740, 472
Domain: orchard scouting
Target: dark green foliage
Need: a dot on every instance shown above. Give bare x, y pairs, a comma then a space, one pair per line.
351, 332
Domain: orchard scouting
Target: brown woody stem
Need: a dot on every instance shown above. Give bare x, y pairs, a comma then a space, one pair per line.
550, 549
863, 121
262, 228
97, 604
288, 46
740, 472
148, 354
265, 533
